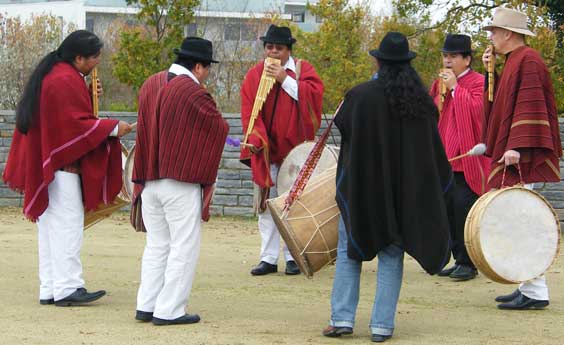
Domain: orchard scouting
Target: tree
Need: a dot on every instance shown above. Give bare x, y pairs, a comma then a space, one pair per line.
236, 47
339, 49
555, 10
147, 48
22, 45
468, 16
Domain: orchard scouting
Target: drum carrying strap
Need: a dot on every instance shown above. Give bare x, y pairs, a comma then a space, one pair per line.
308, 167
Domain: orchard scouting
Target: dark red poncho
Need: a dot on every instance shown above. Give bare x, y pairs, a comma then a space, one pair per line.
180, 133
64, 131
523, 117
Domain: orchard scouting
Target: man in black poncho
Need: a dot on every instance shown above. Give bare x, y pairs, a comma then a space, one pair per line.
393, 183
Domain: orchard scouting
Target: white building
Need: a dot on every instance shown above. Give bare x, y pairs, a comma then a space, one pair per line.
89, 13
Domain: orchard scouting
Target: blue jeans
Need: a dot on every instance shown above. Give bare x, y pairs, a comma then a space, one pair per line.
346, 285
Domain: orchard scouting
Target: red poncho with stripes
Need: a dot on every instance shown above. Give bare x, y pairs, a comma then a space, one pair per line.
180, 133
294, 122
460, 127
523, 117
64, 131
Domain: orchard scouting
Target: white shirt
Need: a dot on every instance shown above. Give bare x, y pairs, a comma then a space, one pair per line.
181, 70
458, 77
290, 85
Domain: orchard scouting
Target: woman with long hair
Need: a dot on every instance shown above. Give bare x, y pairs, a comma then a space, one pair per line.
63, 159
393, 180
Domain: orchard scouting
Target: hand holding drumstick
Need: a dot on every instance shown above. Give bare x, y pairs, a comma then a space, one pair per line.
477, 150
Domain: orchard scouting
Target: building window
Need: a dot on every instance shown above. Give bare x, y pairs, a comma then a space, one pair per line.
298, 17
318, 19
232, 32
248, 32
192, 29
90, 24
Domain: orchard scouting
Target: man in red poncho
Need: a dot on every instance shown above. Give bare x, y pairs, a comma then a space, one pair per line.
520, 128
64, 159
180, 138
460, 127
289, 116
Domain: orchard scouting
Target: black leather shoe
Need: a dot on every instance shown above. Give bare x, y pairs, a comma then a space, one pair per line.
292, 268
334, 332
183, 320
377, 338
264, 268
447, 271
80, 297
523, 302
144, 316
508, 298
464, 272
47, 301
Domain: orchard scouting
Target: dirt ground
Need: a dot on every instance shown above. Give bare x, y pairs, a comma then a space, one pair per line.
237, 308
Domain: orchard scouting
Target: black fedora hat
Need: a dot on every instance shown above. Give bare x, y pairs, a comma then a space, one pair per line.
197, 48
278, 35
455, 43
393, 48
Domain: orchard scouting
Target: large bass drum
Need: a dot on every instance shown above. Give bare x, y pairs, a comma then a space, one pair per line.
512, 235
124, 197
292, 164
310, 228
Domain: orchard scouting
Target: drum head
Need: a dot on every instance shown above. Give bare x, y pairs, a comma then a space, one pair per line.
519, 234
295, 160
128, 172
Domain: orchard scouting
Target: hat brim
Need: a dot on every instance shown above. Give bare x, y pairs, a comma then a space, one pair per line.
458, 51
197, 56
408, 57
517, 30
275, 41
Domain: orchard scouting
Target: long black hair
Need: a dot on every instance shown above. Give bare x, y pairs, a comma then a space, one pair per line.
405, 91
79, 43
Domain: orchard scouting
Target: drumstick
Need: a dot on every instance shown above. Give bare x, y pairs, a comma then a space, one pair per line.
477, 150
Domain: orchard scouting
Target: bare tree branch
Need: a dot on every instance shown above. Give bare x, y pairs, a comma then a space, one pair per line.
453, 13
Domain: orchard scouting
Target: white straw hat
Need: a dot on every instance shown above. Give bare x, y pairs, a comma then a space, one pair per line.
511, 20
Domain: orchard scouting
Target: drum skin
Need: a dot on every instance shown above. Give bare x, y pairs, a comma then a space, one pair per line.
310, 228
292, 164
512, 235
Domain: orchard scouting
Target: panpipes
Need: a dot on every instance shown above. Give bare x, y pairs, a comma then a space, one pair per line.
491, 75
94, 77
442, 90
265, 85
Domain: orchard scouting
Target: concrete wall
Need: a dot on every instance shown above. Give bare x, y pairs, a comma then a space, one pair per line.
234, 188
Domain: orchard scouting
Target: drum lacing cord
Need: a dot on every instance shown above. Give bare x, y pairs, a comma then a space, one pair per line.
317, 228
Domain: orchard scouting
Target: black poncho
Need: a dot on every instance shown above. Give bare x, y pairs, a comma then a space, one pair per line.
393, 179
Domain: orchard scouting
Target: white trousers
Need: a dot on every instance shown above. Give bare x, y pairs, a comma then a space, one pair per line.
270, 237
536, 288
60, 232
172, 212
